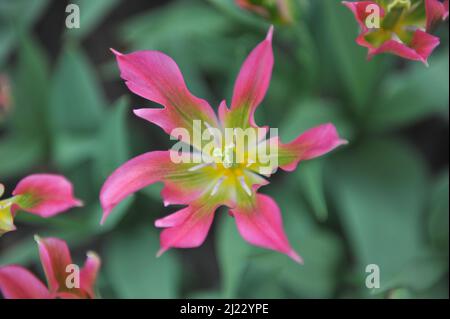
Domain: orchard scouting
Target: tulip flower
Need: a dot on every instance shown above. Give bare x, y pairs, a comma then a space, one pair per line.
65, 280
203, 185
5, 94
45, 195
400, 27
278, 11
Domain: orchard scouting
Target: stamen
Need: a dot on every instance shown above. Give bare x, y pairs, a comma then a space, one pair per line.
217, 152
228, 156
245, 186
216, 187
6, 203
197, 167
217, 139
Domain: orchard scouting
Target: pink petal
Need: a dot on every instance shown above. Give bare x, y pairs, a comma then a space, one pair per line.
263, 226
422, 45
18, 283
45, 195
253, 80
156, 77
55, 257
436, 11
88, 274
187, 228
132, 176
313, 143
359, 11
445, 16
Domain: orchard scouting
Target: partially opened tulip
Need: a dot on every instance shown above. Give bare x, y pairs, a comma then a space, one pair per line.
45, 195
64, 279
400, 27
5, 94
277, 11
226, 171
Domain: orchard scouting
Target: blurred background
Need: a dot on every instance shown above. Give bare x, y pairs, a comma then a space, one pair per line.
383, 199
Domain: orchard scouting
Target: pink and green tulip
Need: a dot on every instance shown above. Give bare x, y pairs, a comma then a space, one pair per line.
17, 282
5, 94
204, 187
45, 195
277, 11
404, 27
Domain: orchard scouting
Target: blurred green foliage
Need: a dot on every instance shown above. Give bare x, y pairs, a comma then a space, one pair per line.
376, 201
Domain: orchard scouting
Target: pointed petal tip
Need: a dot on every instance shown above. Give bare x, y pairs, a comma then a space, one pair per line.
139, 112
105, 216
296, 257
117, 53
160, 252
93, 255
78, 203
37, 239
270, 33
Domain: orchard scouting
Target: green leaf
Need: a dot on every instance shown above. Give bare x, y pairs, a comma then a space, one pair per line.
31, 90
7, 41
438, 213
112, 149
26, 146
19, 155
16, 17
157, 29
20, 252
231, 9
380, 190
321, 250
232, 255
76, 102
95, 214
91, 15
311, 181
310, 112
418, 274
22, 13
411, 95
70, 150
133, 269
153, 191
